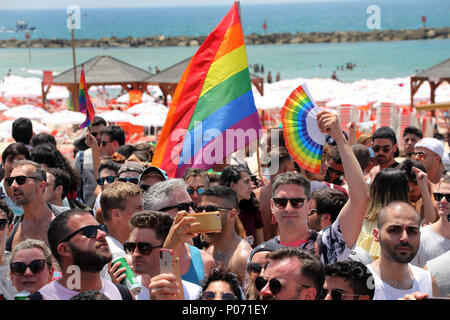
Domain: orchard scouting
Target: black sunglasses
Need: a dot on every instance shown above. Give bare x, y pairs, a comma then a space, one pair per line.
132, 180
94, 134
254, 267
439, 196
339, 173
337, 294
210, 295
144, 248
211, 208
20, 180
88, 231
19, 268
3, 223
104, 143
274, 285
296, 203
181, 206
109, 179
385, 149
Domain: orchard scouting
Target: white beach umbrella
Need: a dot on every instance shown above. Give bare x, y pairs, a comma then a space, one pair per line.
116, 116
64, 117
149, 107
3, 107
149, 120
26, 111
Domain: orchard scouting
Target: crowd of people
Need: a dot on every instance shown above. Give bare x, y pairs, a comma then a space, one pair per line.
369, 226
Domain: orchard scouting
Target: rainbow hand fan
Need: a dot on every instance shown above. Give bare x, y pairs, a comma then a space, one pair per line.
303, 137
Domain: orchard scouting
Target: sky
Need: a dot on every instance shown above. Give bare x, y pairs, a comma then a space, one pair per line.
58, 4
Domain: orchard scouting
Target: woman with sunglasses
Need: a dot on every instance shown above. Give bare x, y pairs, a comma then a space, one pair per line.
221, 284
31, 265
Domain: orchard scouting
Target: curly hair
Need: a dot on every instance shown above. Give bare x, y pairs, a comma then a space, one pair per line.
221, 273
355, 273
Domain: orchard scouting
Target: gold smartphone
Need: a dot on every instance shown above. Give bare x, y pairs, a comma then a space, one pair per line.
209, 222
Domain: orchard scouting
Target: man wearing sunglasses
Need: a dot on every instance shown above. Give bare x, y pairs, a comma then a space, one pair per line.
112, 137
150, 176
171, 196
431, 153
348, 280
197, 182
227, 248
291, 274
385, 148
28, 182
6, 218
435, 237
78, 243
108, 172
291, 204
119, 202
149, 230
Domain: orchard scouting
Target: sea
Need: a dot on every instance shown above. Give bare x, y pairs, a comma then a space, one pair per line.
371, 60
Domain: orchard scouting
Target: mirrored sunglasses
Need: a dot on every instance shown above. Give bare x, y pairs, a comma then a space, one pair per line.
191, 191
109, 179
132, 180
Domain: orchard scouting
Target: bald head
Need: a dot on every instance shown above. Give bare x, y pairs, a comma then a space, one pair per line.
396, 207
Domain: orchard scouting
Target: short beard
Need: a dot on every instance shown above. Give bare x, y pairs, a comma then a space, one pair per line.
90, 261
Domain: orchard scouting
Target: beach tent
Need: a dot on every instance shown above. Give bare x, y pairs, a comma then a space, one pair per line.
435, 76
168, 79
101, 71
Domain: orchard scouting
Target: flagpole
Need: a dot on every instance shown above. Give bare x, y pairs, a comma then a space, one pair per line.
75, 95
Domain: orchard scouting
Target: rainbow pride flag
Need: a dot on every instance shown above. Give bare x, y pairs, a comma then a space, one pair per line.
213, 111
84, 103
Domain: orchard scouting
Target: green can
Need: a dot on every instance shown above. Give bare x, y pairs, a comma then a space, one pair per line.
130, 280
21, 295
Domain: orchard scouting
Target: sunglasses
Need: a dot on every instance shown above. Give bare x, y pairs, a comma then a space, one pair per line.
94, 134
88, 231
313, 211
192, 190
19, 268
3, 223
20, 180
181, 206
132, 180
254, 267
104, 143
144, 248
296, 203
331, 170
337, 294
109, 179
385, 149
275, 285
439, 196
209, 295
211, 208
419, 154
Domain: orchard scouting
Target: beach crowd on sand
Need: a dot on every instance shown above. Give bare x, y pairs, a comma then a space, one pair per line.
373, 224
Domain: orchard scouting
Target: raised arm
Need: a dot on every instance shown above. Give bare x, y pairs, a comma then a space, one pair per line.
352, 214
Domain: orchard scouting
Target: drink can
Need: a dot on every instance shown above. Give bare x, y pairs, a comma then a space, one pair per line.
21, 295
130, 280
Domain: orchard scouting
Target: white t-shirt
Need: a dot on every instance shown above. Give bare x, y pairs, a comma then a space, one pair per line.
191, 291
55, 291
432, 245
422, 283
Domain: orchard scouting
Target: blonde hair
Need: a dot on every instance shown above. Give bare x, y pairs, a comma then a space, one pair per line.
30, 244
116, 195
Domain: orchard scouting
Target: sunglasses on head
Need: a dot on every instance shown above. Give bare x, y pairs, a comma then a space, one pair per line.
109, 179
254, 267
337, 294
439, 196
3, 223
132, 180
275, 285
211, 208
210, 295
19, 268
181, 206
192, 190
144, 248
296, 203
20, 180
385, 149
88, 231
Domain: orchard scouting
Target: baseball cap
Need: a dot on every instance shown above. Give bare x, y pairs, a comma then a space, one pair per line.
161, 172
268, 246
436, 146
131, 166
386, 133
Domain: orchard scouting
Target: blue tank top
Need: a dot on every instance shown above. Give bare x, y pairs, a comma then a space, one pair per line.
196, 272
